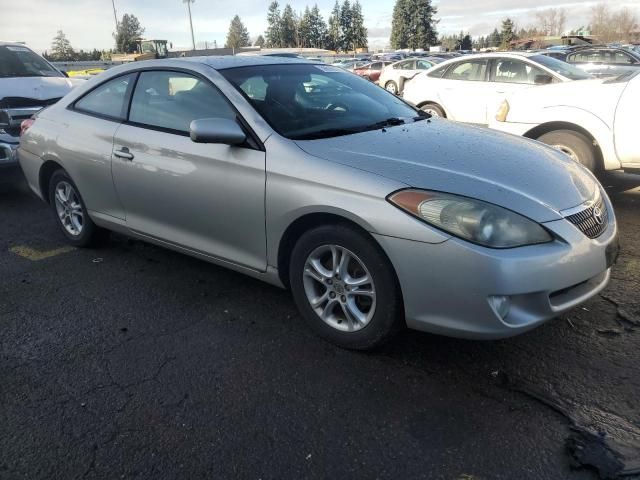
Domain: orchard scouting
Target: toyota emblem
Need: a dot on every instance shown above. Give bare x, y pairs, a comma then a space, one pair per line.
597, 216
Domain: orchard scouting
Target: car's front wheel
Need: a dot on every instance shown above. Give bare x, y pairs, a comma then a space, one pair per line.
345, 287
70, 212
573, 144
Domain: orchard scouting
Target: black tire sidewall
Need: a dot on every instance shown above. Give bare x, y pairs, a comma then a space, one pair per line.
388, 317
576, 142
89, 229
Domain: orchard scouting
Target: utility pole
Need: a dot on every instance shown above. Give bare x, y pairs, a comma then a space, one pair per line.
193, 40
115, 15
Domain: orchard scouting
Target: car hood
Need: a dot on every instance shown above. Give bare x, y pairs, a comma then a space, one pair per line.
516, 173
37, 88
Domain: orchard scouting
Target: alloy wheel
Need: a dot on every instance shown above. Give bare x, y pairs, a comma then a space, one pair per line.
567, 151
339, 288
69, 208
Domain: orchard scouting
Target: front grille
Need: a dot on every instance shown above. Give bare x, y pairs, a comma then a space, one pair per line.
587, 219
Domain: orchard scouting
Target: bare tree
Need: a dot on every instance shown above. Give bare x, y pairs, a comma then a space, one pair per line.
626, 24
552, 21
602, 25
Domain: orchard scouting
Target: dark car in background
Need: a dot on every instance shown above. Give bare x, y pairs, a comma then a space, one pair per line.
371, 71
598, 60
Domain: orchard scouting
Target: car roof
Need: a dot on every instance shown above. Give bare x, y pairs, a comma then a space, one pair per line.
12, 44
231, 61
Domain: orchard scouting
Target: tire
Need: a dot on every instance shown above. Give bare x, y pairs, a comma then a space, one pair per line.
67, 214
377, 303
367, 78
574, 144
391, 87
433, 110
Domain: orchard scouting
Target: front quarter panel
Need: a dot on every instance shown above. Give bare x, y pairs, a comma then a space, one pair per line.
300, 184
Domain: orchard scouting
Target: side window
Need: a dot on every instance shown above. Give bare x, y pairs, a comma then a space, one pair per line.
516, 71
473, 71
109, 99
405, 65
621, 58
423, 65
376, 66
587, 56
172, 100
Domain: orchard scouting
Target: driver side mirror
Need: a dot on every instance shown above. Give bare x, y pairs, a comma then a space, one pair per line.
543, 79
216, 130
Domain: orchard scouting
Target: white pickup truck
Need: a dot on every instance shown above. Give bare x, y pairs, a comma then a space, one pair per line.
592, 121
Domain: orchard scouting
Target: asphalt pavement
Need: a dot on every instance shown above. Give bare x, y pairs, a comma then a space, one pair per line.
131, 361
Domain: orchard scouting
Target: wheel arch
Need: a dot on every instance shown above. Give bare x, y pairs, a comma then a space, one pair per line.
549, 127
308, 221
44, 177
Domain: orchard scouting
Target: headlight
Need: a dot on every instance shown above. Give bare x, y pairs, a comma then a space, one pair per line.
473, 220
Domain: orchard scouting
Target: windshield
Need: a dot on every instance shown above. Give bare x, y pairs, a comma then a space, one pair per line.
18, 61
561, 68
304, 102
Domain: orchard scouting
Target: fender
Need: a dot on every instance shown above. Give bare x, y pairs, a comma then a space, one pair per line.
584, 120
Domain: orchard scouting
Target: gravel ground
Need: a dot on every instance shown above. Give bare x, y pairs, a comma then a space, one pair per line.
131, 361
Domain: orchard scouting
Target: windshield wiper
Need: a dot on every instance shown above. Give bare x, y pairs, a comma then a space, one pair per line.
327, 133
337, 132
389, 122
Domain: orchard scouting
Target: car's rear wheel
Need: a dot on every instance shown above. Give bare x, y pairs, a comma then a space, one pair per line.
71, 213
433, 110
574, 144
391, 86
345, 287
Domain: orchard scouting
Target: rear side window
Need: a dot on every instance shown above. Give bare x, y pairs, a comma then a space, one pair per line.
473, 71
109, 99
171, 100
423, 65
514, 71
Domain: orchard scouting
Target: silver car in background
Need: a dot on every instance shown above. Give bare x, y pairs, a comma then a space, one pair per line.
310, 178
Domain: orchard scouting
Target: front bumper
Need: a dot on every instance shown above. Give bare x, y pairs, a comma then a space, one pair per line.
447, 287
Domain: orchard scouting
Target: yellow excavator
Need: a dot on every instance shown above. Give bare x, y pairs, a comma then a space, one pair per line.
147, 50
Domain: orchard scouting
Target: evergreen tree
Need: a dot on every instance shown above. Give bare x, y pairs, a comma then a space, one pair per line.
360, 34
260, 42
274, 26
317, 29
61, 49
334, 36
288, 27
464, 42
507, 35
346, 26
494, 39
413, 24
238, 35
304, 28
129, 30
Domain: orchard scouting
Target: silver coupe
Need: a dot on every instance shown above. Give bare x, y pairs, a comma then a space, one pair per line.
311, 178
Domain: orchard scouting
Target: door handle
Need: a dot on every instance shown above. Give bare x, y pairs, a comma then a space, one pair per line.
123, 153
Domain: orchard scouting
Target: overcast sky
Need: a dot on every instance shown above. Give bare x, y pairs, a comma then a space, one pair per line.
89, 23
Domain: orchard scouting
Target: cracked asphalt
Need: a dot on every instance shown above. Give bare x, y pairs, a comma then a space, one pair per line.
130, 361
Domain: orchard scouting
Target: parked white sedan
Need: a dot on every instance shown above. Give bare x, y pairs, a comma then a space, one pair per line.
467, 89
394, 76
594, 122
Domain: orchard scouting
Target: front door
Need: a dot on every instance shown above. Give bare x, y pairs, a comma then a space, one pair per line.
463, 91
205, 197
